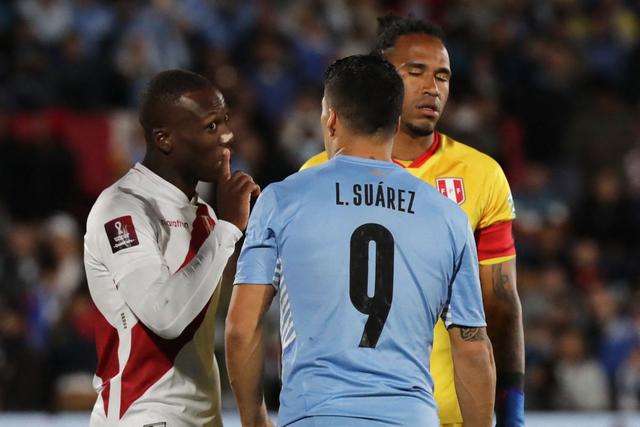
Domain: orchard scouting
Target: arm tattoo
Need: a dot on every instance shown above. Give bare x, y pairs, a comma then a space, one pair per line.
502, 286
473, 334
505, 321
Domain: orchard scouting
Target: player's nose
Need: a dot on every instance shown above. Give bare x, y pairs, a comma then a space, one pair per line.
226, 138
430, 87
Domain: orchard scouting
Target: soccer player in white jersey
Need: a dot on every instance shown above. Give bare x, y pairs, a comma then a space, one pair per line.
154, 255
365, 259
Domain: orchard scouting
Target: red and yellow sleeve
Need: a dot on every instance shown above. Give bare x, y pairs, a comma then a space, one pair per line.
494, 235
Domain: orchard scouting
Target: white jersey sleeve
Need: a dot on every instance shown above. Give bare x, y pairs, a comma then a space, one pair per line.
121, 234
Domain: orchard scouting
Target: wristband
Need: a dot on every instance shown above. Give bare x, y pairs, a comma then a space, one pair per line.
510, 402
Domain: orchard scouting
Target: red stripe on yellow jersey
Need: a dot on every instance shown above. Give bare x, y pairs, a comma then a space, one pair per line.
495, 242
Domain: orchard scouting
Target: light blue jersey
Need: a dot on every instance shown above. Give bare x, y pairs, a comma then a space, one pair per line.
365, 258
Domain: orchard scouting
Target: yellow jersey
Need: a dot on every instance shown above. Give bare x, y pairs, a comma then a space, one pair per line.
477, 183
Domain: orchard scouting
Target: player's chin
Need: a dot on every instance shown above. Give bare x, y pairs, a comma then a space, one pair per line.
422, 127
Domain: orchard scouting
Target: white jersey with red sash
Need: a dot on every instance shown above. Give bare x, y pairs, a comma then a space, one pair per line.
144, 222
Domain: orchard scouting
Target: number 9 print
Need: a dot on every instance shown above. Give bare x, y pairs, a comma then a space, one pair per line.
378, 306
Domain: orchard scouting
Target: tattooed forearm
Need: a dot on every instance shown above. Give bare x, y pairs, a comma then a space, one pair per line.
473, 334
503, 288
504, 315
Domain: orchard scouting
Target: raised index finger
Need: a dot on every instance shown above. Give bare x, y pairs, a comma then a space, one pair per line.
225, 174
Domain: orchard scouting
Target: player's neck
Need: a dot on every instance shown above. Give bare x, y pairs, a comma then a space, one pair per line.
170, 173
366, 148
409, 147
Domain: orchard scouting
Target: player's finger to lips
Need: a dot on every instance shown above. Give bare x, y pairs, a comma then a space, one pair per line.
226, 164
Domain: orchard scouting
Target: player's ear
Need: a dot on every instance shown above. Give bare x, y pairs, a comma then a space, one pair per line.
332, 121
162, 140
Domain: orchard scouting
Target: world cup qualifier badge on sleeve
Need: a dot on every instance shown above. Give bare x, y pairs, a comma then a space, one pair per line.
121, 233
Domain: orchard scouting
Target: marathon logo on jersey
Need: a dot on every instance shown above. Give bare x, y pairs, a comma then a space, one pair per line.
452, 188
175, 223
121, 233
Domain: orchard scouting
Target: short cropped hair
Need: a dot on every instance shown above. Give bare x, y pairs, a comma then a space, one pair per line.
164, 89
366, 91
390, 27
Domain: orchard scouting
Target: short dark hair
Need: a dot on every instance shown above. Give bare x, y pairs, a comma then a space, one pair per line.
366, 91
163, 89
390, 27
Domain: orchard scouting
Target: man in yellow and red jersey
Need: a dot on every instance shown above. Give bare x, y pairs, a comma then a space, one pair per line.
476, 182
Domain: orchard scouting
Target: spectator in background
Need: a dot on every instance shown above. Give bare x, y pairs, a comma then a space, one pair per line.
476, 120
301, 137
613, 329
19, 269
43, 306
539, 203
72, 355
606, 215
23, 384
543, 93
42, 169
136, 62
271, 73
158, 24
80, 81
7, 15
545, 285
92, 20
632, 170
632, 83
603, 48
582, 383
61, 233
628, 381
220, 24
58, 272
540, 378
248, 145
28, 85
7, 144
312, 46
586, 264
600, 132
21, 371
153, 42
49, 19
543, 218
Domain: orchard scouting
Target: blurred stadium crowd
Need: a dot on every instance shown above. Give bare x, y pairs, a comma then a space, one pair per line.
551, 89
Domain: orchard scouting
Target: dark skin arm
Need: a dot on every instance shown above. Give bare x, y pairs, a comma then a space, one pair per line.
504, 321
